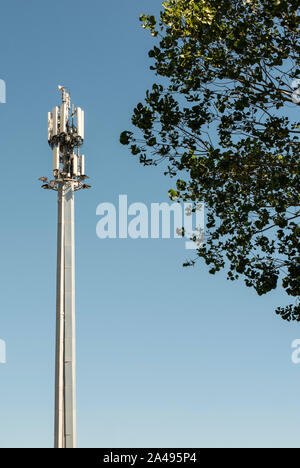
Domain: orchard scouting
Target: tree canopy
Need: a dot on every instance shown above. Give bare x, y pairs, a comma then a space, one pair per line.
223, 117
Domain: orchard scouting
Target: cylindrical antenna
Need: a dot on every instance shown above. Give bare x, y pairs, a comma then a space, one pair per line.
82, 165
56, 158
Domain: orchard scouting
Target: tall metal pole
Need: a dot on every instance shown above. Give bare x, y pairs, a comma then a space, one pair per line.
59, 433
65, 134
65, 394
69, 351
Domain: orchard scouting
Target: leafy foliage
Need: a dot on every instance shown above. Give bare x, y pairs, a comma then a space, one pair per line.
225, 124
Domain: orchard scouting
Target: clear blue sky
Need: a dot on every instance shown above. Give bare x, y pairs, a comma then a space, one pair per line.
167, 357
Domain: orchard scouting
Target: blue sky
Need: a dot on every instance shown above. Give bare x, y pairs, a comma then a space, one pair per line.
166, 356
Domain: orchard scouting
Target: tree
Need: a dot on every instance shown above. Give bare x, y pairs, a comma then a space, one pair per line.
223, 118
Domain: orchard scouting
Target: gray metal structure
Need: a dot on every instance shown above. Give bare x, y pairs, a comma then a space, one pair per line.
65, 136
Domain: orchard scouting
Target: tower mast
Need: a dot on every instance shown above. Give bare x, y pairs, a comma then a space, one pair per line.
65, 136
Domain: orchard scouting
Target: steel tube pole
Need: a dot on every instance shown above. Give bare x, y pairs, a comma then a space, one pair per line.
59, 355
65, 379
69, 328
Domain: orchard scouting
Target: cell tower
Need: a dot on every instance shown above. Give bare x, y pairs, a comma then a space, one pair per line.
65, 136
